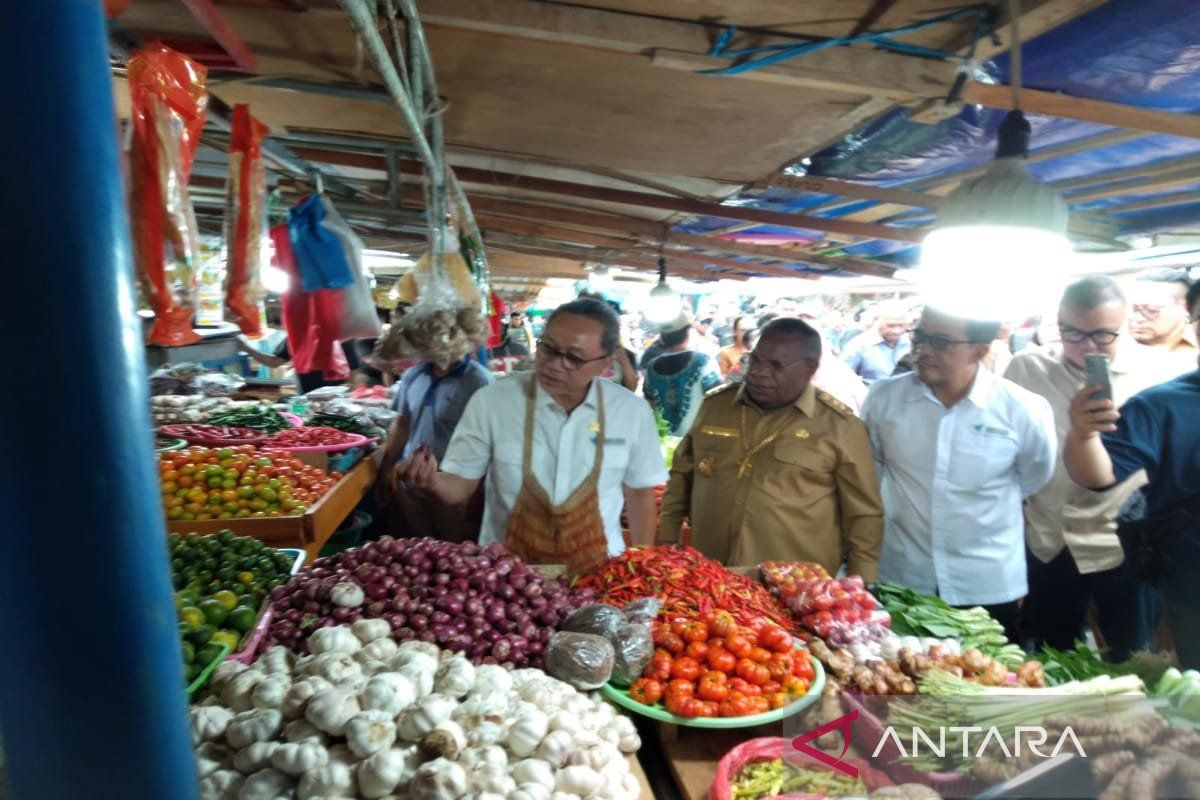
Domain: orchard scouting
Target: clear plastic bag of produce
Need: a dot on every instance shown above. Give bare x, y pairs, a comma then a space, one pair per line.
583, 660
643, 611
218, 383
829, 605
245, 220
789, 578
770, 749
633, 647
598, 619
167, 101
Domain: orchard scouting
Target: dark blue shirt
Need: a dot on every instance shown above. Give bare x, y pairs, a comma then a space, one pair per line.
1159, 432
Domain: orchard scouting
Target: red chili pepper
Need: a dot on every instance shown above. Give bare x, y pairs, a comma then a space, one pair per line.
687, 583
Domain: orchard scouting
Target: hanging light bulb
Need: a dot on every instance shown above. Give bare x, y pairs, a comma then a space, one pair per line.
600, 277
999, 235
664, 304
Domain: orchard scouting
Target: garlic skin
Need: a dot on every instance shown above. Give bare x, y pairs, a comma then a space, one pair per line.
332, 780
248, 727
208, 723
331, 710
297, 758
368, 732
438, 780
267, 784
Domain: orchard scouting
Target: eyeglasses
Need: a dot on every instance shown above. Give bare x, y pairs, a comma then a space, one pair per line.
1076, 336
1148, 312
935, 341
571, 363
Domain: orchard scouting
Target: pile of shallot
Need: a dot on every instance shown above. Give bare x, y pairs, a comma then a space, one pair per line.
483, 602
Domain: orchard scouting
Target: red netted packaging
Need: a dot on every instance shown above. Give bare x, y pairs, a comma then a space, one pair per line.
245, 220
769, 748
167, 100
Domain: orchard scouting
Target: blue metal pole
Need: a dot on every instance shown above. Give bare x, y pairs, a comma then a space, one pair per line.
91, 680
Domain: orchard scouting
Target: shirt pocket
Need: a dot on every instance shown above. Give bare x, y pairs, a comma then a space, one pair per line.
716, 452
507, 472
982, 459
616, 456
807, 465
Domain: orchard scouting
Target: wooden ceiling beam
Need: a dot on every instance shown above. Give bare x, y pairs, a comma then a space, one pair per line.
861, 191
631, 227
1064, 106
1166, 201
678, 205
678, 44
1149, 185
1037, 18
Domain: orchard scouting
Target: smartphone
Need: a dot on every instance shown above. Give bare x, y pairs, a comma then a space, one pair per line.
1095, 367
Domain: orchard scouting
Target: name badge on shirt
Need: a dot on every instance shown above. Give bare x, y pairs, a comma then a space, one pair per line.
609, 440
987, 430
713, 430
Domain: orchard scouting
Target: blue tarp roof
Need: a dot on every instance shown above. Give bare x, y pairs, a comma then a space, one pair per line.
1142, 53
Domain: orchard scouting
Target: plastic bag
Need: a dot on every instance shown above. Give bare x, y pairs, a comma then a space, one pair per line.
633, 647
218, 383
769, 748
598, 619
167, 100
245, 220
357, 318
643, 611
581, 659
310, 318
319, 253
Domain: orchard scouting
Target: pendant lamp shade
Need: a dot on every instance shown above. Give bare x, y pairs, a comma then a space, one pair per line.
996, 234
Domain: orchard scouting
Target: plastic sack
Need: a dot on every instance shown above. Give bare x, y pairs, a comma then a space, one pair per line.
769, 748
598, 619
583, 660
320, 256
357, 319
309, 318
245, 220
643, 611
633, 647
167, 100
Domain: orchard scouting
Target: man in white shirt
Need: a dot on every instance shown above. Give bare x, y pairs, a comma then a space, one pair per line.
958, 450
592, 447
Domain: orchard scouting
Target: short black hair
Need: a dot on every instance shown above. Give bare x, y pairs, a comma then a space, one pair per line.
1193, 299
674, 338
599, 311
791, 326
1087, 294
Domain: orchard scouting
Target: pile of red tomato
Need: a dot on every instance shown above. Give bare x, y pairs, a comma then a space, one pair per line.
713, 667
200, 483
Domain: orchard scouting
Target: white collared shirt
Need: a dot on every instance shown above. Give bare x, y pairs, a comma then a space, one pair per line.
952, 482
490, 437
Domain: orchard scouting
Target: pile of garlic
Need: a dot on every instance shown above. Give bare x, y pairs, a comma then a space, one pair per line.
364, 718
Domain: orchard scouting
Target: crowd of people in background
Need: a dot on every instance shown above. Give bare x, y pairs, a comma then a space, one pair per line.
959, 457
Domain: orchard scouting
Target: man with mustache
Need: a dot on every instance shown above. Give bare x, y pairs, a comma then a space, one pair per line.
958, 450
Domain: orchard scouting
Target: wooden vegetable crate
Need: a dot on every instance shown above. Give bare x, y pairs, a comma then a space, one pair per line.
309, 531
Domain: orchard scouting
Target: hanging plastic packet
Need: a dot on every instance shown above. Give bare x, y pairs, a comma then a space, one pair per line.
167, 100
245, 221
358, 318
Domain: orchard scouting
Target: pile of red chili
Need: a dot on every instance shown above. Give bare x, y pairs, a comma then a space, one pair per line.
687, 583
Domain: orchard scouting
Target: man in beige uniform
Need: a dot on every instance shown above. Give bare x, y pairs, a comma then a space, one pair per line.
775, 469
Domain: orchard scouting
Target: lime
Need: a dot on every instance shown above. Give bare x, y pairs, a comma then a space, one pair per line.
245, 578
192, 617
242, 618
226, 598
189, 653
210, 653
214, 610
225, 536
202, 635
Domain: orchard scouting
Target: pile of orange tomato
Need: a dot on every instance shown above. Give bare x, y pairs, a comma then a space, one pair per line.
200, 483
713, 667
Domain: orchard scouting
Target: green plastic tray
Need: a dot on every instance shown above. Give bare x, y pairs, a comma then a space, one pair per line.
201, 680
621, 697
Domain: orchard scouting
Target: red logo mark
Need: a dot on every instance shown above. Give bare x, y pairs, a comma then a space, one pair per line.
842, 723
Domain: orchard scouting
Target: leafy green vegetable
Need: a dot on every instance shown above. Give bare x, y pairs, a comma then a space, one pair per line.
1078, 664
347, 424
916, 614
